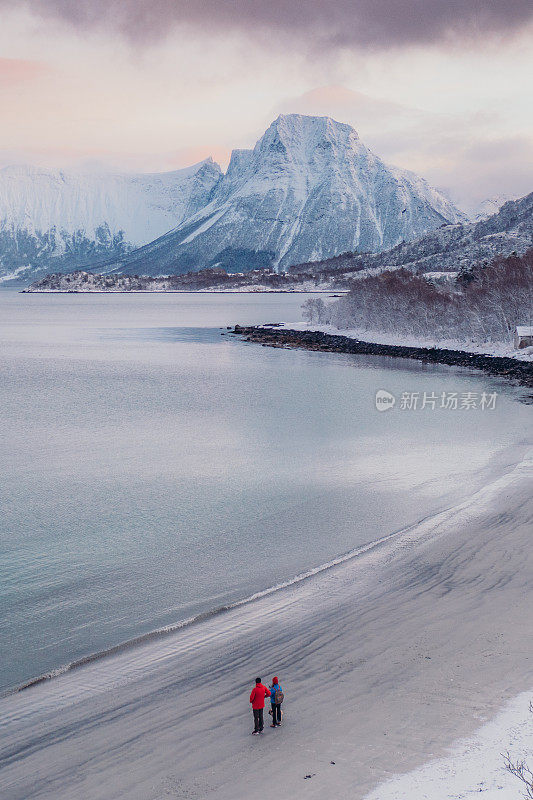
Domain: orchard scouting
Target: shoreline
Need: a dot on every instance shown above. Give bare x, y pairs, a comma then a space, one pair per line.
414, 644
274, 336
183, 291
175, 628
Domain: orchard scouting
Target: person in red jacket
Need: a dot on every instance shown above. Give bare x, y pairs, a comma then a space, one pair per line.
257, 699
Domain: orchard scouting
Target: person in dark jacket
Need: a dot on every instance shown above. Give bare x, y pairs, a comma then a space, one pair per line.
257, 699
276, 707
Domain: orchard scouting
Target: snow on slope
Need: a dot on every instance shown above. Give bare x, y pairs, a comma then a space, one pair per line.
308, 190
142, 206
49, 213
450, 247
490, 206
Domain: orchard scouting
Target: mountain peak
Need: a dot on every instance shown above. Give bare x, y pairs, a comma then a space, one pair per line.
303, 123
298, 137
309, 189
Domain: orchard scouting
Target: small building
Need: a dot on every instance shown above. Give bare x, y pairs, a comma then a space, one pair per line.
523, 336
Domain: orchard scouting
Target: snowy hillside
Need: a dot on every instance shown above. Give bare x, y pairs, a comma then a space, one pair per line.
52, 217
450, 247
490, 206
308, 190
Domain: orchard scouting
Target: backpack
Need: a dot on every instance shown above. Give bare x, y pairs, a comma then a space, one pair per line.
278, 697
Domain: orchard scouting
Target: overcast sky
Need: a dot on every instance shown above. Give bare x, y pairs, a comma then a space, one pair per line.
442, 87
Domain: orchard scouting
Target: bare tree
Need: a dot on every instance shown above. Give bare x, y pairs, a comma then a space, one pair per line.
521, 770
483, 308
314, 310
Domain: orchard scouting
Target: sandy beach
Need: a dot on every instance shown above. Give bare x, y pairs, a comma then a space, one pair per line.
386, 659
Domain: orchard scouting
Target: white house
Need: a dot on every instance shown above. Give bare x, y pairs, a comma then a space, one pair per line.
523, 336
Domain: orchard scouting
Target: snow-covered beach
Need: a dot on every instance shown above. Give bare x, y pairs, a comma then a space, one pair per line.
386, 660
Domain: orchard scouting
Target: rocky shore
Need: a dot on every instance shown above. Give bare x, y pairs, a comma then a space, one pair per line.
273, 336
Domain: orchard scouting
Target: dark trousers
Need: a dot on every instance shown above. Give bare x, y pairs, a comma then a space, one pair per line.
258, 719
276, 713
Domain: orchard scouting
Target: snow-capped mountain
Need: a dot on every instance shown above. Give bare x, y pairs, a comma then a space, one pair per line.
60, 218
308, 190
441, 254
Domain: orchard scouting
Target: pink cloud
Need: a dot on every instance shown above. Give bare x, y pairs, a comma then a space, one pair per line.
14, 71
348, 105
105, 159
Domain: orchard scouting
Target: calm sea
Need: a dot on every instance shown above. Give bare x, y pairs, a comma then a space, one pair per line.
153, 469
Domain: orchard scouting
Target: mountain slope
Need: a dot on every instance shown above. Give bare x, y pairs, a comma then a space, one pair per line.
308, 190
451, 247
490, 206
51, 218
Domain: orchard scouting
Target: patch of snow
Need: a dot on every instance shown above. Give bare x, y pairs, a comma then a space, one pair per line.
475, 767
10, 276
204, 227
439, 275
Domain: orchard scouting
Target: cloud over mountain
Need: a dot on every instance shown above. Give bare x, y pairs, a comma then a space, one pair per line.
366, 23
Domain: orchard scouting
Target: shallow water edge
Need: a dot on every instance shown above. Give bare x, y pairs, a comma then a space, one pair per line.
520, 371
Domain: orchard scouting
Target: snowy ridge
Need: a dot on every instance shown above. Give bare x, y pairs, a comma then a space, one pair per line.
491, 206
80, 217
142, 206
449, 247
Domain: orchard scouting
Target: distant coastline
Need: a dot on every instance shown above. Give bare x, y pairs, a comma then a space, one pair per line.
182, 291
206, 280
